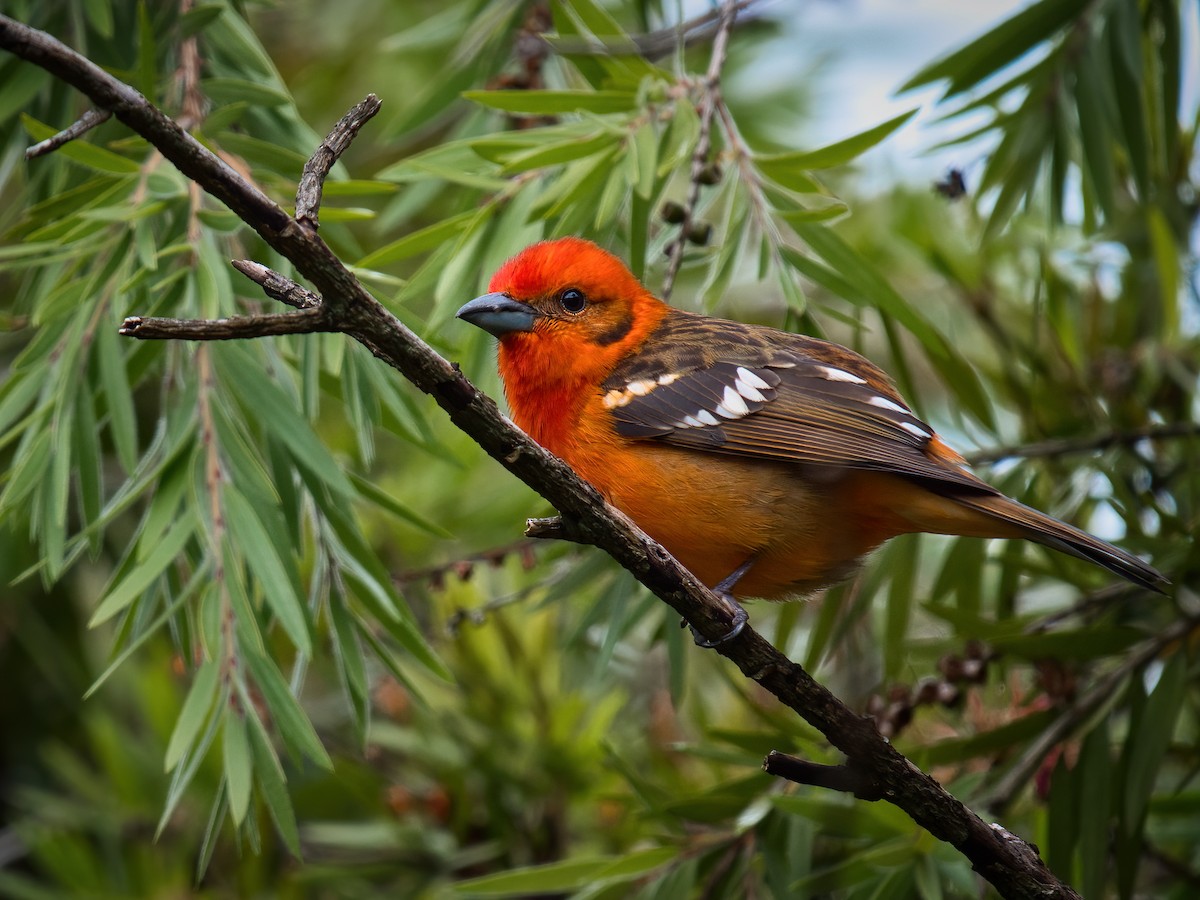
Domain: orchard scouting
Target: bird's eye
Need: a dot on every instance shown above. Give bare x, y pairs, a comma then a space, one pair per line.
572, 300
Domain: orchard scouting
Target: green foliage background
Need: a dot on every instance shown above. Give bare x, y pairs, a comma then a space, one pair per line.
268, 628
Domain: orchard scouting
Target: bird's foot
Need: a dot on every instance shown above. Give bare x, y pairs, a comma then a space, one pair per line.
740, 618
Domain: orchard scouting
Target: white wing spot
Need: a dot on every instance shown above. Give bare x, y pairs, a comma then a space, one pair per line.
732, 406
668, 378
707, 418
747, 377
840, 375
885, 403
748, 391
691, 422
915, 430
641, 388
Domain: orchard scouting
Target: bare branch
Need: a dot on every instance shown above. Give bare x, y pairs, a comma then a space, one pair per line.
276, 286
306, 321
312, 182
85, 123
847, 779
1065, 446
709, 96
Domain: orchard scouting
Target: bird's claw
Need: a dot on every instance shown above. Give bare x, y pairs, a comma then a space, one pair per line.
740, 618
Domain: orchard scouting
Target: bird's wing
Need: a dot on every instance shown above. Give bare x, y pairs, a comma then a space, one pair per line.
761, 393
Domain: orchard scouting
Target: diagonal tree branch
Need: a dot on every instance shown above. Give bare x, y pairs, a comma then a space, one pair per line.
1006, 861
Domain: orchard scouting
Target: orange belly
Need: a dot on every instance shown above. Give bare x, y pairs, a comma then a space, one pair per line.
714, 512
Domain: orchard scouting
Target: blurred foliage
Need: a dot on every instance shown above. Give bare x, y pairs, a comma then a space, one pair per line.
314, 660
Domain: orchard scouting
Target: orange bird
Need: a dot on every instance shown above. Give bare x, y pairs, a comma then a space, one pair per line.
768, 463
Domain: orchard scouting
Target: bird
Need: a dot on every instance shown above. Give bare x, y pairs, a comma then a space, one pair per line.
768, 463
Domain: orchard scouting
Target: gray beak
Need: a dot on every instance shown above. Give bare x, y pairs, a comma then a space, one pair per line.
498, 314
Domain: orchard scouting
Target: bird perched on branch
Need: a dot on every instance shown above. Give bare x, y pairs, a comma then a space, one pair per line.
767, 463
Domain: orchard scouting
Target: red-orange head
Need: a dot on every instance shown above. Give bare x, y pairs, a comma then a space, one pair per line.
566, 312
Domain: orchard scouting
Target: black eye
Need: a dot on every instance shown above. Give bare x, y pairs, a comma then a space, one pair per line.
572, 300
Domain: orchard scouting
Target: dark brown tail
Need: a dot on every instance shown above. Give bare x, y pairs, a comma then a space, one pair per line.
1044, 529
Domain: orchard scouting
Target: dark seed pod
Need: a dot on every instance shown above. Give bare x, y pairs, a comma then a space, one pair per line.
710, 174
699, 233
672, 212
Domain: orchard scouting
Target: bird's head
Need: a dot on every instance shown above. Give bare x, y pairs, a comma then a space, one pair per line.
564, 308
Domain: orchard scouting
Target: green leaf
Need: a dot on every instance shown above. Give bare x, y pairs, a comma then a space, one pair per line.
1167, 266
199, 17
837, 154
268, 404
1080, 644
233, 90
22, 82
272, 785
150, 629
418, 241
1125, 57
359, 188
99, 16
256, 547
553, 103
987, 55
121, 417
351, 664
194, 713
293, 725
1148, 743
1096, 136
1063, 819
386, 501
166, 548
263, 154
557, 153
544, 879
391, 612
899, 606
238, 766
644, 157
1094, 770
864, 279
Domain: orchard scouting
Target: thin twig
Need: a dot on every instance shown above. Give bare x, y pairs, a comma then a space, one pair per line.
709, 90
312, 182
85, 123
655, 44
306, 321
1065, 446
1003, 792
847, 779
554, 528
276, 286
1093, 602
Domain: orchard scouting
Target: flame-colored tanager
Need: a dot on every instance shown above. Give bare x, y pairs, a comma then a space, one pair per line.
768, 463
